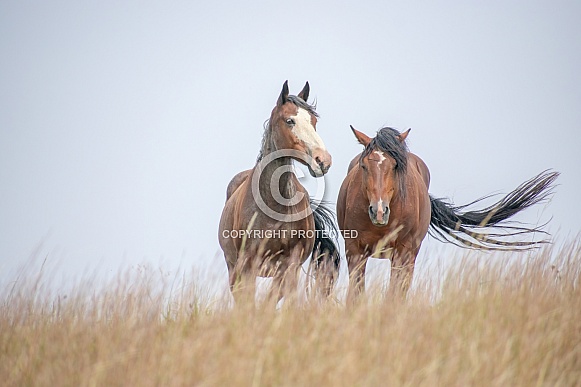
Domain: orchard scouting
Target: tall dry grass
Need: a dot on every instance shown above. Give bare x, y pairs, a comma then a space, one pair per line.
514, 322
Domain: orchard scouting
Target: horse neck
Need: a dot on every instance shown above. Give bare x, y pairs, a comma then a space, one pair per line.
288, 184
268, 146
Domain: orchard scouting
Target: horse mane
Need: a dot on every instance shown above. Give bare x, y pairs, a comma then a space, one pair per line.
304, 104
268, 130
387, 141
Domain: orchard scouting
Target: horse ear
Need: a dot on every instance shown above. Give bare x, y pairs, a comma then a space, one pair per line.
304, 94
361, 137
283, 94
404, 135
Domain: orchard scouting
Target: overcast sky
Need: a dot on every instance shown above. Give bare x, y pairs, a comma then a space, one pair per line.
122, 122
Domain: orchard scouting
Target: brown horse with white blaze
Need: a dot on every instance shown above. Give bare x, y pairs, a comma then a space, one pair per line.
385, 198
268, 227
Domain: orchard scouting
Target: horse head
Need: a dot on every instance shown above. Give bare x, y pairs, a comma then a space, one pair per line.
293, 125
383, 165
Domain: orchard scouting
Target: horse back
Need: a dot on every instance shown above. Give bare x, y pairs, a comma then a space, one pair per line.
420, 168
354, 162
236, 182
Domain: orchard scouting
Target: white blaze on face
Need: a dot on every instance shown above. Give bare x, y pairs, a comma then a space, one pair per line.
380, 208
381, 157
381, 213
305, 131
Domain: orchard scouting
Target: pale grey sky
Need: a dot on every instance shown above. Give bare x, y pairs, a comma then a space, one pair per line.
121, 123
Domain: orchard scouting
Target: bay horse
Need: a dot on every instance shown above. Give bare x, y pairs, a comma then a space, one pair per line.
269, 226
385, 198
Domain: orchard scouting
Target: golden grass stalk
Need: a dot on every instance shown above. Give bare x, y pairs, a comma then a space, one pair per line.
516, 322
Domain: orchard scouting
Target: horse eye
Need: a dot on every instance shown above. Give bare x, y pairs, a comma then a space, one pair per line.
290, 121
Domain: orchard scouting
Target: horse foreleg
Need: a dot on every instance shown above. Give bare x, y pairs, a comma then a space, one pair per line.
402, 272
356, 264
284, 283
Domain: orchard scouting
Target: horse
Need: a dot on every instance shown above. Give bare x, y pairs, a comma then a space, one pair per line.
385, 199
269, 225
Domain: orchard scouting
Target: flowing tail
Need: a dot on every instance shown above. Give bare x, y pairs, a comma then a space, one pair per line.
325, 259
475, 229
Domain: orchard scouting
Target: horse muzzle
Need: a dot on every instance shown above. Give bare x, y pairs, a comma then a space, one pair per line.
320, 163
379, 213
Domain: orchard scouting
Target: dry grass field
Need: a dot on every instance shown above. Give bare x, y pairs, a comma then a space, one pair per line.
515, 323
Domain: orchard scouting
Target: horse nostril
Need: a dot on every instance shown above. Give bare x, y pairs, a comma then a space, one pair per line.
321, 164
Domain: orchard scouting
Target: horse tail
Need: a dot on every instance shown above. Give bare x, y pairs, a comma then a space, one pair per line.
325, 258
486, 229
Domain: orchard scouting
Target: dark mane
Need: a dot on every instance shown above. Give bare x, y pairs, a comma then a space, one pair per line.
267, 129
303, 104
387, 141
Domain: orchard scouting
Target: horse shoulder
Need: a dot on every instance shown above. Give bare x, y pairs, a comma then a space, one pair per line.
236, 182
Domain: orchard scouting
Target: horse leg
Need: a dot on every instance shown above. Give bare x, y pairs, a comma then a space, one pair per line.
356, 264
402, 272
284, 283
242, 284
324, 273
